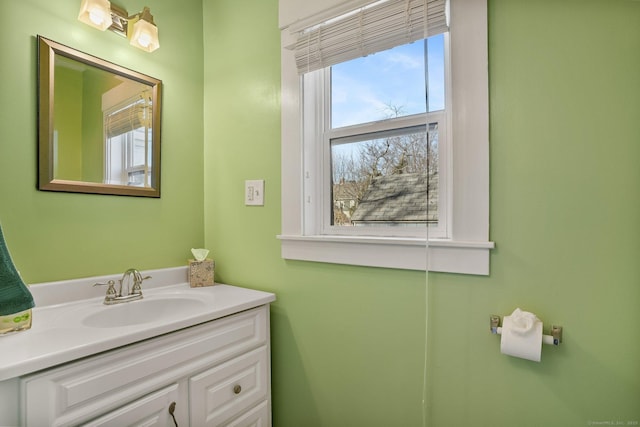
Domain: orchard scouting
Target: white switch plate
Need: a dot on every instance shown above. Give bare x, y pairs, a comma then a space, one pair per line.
254, 192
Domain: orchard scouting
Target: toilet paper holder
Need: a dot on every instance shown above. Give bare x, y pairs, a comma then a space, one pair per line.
555, 338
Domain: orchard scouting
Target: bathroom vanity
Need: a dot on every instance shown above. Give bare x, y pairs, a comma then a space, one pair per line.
199, 355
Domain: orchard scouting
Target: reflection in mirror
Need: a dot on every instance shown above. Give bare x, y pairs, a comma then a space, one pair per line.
99, 125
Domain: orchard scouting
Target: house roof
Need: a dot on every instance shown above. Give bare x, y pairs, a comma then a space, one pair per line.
398, 198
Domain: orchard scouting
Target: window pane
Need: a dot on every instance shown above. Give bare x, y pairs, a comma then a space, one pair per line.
433, 175
139, 147
386, 179
379, 86
435, 72
136, 178
389, 84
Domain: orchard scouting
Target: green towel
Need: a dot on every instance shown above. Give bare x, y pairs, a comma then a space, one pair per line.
14, 294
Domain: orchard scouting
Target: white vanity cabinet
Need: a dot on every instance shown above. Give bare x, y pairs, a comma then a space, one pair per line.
217, 373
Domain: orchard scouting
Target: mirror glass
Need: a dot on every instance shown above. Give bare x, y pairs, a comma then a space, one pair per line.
99, 125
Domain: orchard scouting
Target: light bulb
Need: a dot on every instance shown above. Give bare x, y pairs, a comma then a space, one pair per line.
144, 40
97, 16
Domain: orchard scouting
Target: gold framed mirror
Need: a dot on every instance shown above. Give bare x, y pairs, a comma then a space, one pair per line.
98, 125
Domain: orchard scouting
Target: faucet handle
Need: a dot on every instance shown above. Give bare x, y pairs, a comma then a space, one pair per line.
111, 290
136, 289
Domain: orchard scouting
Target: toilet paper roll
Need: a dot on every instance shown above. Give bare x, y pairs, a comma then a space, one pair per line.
521, 335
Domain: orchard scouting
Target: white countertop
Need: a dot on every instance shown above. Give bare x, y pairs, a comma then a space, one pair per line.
58, 335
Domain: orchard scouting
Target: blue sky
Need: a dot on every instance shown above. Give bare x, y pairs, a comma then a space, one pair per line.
363, 88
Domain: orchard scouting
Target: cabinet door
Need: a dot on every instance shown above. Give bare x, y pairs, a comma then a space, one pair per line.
149, 411
223, 392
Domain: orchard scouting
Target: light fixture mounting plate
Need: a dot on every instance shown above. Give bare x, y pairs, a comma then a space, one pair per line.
120, 19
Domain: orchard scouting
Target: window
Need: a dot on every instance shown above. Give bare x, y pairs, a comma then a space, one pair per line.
334, 209
127, 143
383, 142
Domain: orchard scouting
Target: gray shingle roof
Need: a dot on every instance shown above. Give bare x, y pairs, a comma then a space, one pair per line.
397, 198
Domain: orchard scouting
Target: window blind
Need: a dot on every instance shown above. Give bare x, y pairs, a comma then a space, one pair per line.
134, 116
369, 29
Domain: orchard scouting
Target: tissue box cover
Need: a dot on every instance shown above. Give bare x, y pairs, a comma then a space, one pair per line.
201, 273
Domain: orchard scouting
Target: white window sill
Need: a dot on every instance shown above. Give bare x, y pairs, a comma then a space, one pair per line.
463, 257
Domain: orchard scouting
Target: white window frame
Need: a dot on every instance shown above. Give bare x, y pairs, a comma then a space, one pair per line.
317, 161
467, 250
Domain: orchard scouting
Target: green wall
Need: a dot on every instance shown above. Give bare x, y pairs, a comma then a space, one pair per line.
348, 342
96, 83
78, 122
68, 105
58, 235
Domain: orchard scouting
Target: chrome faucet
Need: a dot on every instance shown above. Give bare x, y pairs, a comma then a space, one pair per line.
125, 292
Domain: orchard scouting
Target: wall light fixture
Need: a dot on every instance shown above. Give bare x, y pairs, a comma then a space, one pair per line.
139, 28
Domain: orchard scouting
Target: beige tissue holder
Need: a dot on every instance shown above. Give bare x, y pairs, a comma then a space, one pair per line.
201, 273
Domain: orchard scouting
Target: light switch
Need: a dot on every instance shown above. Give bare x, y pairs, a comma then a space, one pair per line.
254, 192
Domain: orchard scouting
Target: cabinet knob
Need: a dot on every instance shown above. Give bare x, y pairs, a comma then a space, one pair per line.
237, 389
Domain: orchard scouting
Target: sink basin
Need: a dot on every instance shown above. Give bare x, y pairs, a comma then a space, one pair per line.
142, 311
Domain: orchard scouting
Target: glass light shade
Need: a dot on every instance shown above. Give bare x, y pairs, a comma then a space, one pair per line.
96, 13
145, 36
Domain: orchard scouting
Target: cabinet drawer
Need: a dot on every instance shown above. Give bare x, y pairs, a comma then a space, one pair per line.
221, 393
83, 390
148, 411
255, 417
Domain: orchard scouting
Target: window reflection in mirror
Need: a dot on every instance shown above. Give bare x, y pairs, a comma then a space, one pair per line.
126, 113
99, 126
